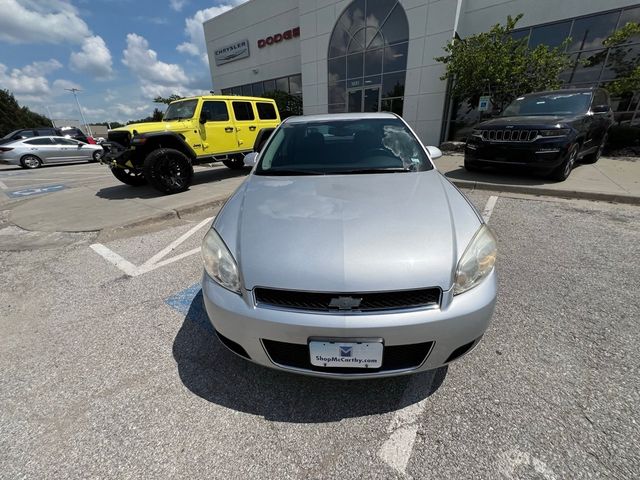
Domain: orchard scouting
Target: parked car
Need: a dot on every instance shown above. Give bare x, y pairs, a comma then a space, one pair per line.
193, 131
36, 151
29, 132
76, 134
346, 253
547, 131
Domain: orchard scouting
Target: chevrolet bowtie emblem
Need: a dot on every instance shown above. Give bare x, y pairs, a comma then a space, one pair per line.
345, 303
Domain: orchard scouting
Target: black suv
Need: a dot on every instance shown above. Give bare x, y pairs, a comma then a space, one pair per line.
545, 131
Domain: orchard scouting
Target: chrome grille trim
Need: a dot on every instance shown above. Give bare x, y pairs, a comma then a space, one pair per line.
509, 135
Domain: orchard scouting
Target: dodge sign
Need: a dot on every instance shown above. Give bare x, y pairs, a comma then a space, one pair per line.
232, 52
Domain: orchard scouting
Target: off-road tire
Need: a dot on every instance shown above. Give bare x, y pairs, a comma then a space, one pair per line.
235, 162
30, 161
135, 178
168, 170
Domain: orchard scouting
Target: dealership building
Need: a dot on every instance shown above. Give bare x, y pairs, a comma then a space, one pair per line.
373, 55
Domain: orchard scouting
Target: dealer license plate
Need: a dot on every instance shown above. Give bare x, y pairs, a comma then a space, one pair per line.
346, 354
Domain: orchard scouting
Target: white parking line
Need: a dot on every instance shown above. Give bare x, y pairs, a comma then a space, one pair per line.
155, 261
397, 449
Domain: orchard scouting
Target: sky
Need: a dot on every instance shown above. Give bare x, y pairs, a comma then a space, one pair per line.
120, 53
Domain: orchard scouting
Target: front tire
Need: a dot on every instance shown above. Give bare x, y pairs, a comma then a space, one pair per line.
135, 178
595, 156
235, 162
561, 173
168, 170
30, 161
97, 156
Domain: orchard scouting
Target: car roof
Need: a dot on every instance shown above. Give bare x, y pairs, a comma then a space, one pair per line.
227, 97
565, 90
327, 117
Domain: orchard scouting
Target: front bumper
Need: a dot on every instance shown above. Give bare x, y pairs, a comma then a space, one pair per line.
455, 327
537, 155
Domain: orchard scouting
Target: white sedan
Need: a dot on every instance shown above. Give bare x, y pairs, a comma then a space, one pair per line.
36, 151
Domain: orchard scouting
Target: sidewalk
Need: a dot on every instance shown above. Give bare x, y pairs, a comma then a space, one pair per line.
614, 180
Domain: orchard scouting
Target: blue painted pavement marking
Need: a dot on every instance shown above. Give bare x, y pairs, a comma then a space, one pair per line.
28, 192
189, 303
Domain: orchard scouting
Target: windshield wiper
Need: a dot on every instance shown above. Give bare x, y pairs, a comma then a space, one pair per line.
370, 170
288, 171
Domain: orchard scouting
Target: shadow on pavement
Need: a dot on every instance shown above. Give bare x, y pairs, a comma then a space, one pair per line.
201, 176
213, 373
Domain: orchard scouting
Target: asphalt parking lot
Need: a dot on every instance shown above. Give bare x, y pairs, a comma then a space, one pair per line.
110, 368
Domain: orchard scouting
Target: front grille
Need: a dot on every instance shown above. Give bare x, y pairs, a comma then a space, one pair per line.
396, 357
348, 302
123, 138
509, 135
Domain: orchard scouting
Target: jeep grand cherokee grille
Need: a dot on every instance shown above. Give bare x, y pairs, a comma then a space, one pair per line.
509, 135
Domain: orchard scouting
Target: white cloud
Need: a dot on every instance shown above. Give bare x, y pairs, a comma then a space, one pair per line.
30, 82
94, 58
157, 78
194, 31
39, 21
177, 5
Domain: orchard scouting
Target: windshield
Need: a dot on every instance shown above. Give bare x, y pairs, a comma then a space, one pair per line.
9, 135
549, 104
343, 147
180, 110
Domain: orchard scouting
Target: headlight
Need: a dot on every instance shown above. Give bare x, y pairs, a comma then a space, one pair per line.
556, 132
476, 262
219, 263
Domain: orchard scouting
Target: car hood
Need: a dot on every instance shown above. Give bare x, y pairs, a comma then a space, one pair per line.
347, 233
155, 126
533, 120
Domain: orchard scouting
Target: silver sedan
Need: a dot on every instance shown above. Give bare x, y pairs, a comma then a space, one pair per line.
35, 151
345, 253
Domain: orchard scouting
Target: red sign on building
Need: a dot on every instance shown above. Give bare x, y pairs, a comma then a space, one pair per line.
279, 37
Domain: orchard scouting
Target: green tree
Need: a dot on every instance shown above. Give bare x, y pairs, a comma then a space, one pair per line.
494, 63
288, 105
623, 59
167, 100
13, 116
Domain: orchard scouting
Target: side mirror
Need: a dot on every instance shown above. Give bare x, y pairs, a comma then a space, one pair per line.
600, 109
250, 159
204, 118
434, 152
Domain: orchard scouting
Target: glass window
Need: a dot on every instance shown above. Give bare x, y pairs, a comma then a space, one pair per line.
357, 41
257, 88
365, 146
65, 141
372, 80
393, 85
266, 111
339, 41
337, 93
243, 111
39, 141
599, 98
552, 35
45, 131
373, 62
26, 134
621, 61
269, 85
226, 91
355, 100
354, 65
180, 110
215, 111
589, 32
246, 90
629, 15
518, 34
371, 99
337, 69
378, 11
353, 17
395, 58
337, 108
282, 84
549, 104
587, 67
396, 27
393, 105
295, 84
236, 90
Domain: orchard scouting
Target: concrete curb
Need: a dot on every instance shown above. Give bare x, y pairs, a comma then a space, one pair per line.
548, 192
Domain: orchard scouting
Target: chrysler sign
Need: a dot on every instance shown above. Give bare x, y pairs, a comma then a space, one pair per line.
232, 52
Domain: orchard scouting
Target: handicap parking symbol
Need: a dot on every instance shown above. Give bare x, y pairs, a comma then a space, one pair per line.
28, 192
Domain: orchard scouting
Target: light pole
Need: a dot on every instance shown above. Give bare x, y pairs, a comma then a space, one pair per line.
51, 117
86, 125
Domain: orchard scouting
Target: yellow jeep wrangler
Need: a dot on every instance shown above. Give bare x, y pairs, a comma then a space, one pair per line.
193, 131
